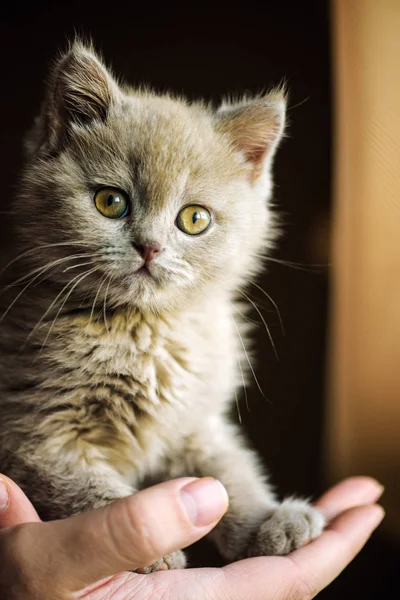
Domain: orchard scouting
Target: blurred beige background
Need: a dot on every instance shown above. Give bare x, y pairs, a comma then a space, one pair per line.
363, 420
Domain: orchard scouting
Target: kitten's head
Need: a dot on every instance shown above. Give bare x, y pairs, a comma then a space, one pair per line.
146, 197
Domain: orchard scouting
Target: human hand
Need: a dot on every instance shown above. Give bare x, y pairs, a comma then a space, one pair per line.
56, 560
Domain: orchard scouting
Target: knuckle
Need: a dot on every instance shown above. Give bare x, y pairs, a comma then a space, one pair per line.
299, 591
139, 543
303, 586
142, 524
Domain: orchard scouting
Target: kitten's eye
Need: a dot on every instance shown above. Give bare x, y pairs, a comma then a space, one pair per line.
112, 203
193, 219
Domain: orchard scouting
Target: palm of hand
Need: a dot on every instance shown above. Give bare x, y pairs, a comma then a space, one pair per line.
299, 575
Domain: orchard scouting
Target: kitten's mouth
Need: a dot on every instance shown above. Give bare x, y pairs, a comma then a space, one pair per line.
144, 272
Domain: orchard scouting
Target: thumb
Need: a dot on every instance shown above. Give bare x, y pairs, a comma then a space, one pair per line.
130, 533
15, 508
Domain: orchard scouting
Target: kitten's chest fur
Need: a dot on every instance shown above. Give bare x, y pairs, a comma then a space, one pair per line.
129, 389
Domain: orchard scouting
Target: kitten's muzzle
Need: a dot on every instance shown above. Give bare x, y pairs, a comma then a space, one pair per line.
148, 251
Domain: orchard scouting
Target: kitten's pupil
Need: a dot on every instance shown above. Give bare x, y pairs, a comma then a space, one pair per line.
111, 203
193, 219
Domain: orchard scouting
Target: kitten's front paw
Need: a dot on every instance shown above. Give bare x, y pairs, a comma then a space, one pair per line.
293, 524
176, 560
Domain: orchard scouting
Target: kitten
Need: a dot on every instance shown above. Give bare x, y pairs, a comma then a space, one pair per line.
138, 219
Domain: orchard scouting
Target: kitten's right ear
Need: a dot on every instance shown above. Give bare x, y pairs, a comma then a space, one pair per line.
80, 91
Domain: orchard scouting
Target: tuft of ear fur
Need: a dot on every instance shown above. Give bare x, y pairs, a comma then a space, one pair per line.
81, 90
255, 127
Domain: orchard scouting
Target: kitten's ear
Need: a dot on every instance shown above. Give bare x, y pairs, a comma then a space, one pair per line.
80, 91
255, 127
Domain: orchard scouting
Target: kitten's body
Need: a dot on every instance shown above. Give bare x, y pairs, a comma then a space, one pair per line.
129, 375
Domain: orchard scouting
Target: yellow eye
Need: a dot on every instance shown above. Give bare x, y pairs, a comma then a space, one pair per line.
112, 203
193, 219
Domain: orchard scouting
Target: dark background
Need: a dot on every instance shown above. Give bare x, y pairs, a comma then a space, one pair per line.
282, 40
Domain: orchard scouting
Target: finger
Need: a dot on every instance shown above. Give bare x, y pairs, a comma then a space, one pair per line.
15, 508
305, 572
131, 533
354, 491
322, 560
301, 575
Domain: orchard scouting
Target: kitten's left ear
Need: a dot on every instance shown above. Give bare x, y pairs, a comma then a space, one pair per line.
81, 90
255, 128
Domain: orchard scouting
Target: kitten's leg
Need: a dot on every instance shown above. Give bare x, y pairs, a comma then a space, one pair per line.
256, 523
59, 490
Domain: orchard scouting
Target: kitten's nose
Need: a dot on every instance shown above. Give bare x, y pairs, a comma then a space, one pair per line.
148, 251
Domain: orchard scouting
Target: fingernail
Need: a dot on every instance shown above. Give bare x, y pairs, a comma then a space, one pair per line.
4, 497
205, 501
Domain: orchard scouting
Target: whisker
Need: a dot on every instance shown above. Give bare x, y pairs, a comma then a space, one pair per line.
238, 408
18, 296
245, 317
313, 268
66, 299
264, 322
105, 305
183, 270
39, 272
299, 103
272, 302
238, 362
88, 294
82, 264
246, 399
248, 360
43, 247
44, 268
95, 301
59, 295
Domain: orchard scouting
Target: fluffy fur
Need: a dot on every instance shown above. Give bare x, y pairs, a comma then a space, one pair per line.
110, 377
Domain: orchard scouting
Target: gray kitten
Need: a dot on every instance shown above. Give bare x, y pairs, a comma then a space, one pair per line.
139, 218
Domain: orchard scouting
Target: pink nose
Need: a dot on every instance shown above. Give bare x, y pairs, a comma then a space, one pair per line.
147, 251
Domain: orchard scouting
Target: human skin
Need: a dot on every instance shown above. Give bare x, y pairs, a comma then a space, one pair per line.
86, 557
